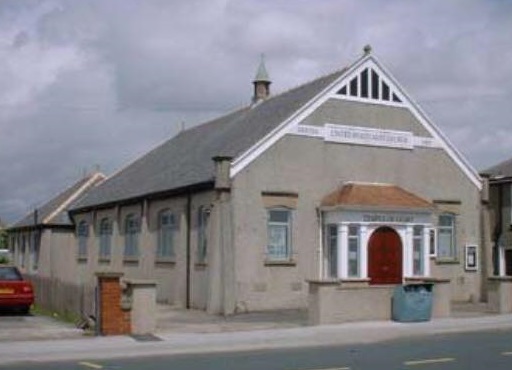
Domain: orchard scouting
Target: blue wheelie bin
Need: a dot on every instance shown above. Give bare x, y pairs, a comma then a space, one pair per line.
412, 303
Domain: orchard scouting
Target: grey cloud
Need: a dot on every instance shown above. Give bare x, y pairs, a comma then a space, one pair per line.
101, 82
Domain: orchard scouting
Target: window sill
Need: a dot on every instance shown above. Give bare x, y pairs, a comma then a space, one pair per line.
131, 260
447, 261
165, 261
104, 260
200, 265
289, 263
81, 259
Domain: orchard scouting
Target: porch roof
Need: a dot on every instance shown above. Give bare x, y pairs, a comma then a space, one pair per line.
374, 195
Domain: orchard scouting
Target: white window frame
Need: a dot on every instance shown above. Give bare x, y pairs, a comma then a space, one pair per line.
166, 235
432, 242
453, 228
287, 226
418, 238
331, 259
357, 238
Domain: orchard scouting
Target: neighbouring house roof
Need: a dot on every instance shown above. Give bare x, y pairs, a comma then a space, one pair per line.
54, 212
500, 171
186, 159
374, 195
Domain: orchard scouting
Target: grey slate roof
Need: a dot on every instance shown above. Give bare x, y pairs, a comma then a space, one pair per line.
186, 159
501, 170
51, 207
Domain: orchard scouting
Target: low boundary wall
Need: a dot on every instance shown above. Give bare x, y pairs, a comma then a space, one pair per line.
338, 301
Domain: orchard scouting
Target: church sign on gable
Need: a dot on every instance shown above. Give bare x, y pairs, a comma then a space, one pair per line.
369, 136
365, 136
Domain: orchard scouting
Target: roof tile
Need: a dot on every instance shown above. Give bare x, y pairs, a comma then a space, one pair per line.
186, 159
374, 195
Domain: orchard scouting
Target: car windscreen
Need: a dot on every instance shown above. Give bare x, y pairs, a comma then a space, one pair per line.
8, 273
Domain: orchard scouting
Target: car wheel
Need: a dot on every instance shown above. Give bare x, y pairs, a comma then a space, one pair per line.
24, 310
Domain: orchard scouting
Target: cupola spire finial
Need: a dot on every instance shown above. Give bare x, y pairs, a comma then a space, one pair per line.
261, 82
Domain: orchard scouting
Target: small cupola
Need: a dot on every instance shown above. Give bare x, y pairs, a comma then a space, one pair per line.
261, 83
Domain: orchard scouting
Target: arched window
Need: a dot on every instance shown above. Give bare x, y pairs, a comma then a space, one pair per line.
131, 236
167, 228
202, 237
82, 235
105, 236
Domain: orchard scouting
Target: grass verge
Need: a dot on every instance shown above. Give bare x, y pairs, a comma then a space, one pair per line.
67, 317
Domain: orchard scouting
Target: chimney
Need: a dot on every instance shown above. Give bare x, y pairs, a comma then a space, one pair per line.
261, 83
222, 167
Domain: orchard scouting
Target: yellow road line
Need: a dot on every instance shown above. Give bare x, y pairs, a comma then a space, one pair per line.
428, 361
90, 364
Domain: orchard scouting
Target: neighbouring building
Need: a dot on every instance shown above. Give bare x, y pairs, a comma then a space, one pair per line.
3, 239
500, 196
42, 245
342, 179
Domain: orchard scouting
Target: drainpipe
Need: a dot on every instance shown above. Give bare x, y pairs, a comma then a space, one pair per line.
496, 250
497, 233
320, 244
189, 233
485, 238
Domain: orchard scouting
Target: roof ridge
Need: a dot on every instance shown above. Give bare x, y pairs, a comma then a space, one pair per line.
249, 106
368, 183
235, 136
325, 75
88, 181
52, 208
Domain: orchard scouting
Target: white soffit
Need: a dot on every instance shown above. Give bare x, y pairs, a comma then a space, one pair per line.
397, 97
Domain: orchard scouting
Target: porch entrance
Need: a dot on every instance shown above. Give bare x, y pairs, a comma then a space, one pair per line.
385, 257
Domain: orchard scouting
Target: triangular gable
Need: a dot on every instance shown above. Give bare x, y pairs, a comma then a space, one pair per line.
368, 83
381, 88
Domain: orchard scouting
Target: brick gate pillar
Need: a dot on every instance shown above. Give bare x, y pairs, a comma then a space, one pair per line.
113, 318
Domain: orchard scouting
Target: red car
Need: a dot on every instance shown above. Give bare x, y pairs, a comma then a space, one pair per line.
15, 292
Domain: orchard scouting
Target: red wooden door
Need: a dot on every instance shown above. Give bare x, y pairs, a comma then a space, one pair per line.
385, 257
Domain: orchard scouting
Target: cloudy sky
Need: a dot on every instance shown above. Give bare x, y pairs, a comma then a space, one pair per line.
87, 83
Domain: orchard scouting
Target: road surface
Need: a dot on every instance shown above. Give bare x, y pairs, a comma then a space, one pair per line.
468, 351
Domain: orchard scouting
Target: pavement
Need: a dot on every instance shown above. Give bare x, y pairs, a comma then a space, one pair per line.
201, 333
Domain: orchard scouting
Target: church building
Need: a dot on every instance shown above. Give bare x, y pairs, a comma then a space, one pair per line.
342, 179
